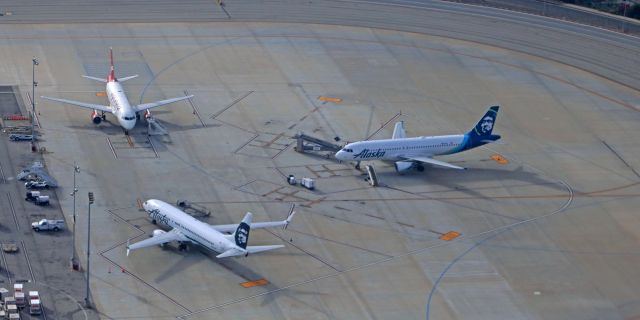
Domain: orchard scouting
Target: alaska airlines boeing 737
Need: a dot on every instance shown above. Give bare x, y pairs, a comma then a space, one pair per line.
118, 103
188, 229
413, 152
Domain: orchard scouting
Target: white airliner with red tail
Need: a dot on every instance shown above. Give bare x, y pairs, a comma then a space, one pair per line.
119, 105
228, 239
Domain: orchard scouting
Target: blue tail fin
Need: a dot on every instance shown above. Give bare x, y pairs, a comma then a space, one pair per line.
241, 236
484, 127
481, 133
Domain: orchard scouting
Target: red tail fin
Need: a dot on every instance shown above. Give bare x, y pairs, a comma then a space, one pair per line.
112, 73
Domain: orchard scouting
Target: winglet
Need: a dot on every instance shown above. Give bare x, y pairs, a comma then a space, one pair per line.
128, 247
112, 73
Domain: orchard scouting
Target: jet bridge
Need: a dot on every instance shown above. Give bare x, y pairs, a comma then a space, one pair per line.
307, 143
193, 209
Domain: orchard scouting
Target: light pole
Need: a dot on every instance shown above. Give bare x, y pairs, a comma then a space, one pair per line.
33, 103
74, 259
87, 301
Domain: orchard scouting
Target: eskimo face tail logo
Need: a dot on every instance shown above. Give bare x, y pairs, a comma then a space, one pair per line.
486, 124
242, 235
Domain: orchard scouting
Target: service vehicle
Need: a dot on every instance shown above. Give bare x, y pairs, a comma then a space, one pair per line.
35, 307
45, 224
37, 198
308, 183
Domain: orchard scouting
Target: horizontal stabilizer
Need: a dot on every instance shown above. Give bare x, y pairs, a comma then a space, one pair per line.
228, 228
95, 78
127, 78
250, 249
231, 253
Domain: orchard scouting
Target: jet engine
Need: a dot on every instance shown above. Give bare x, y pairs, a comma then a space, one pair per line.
95, 117
147, 114
403, 165
158, 232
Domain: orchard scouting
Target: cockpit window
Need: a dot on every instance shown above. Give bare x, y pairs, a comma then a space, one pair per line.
129, 117
347, 150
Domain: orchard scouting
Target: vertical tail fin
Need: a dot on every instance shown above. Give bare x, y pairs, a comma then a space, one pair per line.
241, 236
112, 73
484, 127
398, 131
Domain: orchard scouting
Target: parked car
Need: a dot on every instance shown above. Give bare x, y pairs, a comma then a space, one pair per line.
36, 184
20, 137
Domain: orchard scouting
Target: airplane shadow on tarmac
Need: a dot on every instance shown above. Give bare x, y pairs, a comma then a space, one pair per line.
456, 180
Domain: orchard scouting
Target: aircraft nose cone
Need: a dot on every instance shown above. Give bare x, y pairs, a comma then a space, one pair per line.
129, 124
340, 155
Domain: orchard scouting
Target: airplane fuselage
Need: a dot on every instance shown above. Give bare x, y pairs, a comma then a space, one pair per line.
120, 106
399, 149
196, 231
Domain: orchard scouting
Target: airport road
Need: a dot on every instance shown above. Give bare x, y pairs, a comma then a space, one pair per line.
553, 233
42, 260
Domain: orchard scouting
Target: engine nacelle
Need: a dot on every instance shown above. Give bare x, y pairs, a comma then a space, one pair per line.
95, 117
158, 232
403, 165
147, 114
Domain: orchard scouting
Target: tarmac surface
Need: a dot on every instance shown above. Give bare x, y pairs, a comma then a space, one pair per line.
550, 233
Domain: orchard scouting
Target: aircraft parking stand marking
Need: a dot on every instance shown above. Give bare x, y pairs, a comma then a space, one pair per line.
195, 109
6, 265
111, 147
254, 283
303, 250
337, 242
13, 211
233, 103
127, 149
26, 256
621, 158
273, 144
125, 271
4, 179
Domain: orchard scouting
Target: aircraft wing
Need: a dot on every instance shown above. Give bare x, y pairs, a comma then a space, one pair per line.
151, 105
230, 228
398, 131
434, 162
172, 235
81, 104
249, 249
